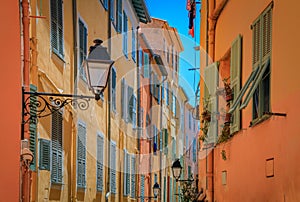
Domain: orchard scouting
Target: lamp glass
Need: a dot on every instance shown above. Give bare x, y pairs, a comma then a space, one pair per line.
176, 169
156, 189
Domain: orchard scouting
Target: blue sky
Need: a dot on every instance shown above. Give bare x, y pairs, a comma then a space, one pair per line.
174, 11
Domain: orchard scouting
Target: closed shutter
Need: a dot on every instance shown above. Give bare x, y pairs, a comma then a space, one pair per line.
125, 34
82, 48
127, 174
126, 170
130, 103
161, 140
211, 82
132, 176
165, 189
134, 111
112, 12
146, 65
256, 42
142, 187
44, 159
166, 141
173, 148
124, 99
33, 126
266, 34
57, 150
113, 158
235, 80
100, 151
113, 88
81, 156
133, 45
119, 15
171, 190
57, 26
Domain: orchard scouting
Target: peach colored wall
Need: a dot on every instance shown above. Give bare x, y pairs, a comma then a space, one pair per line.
277, 137
10, 82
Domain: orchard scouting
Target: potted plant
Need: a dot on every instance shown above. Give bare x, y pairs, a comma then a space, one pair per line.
227, 118
206, 115
228, 90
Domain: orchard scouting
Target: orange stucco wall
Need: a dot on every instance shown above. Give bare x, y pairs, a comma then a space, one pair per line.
10, 85
277, 137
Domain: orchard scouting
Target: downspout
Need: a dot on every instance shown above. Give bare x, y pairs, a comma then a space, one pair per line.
73, 148
108, 191
214, 14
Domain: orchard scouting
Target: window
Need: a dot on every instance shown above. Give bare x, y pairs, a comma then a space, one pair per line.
119, 16
124, 99
167, 93
33, 126
131, 111
174, 108
154, 136
56, 8
165, 140
132, 193
44, 158
105, 4
146, 65
140, 58
195, 150
126, 173
82, 48
125, 34
57, 147
81, 155
112, 7
133, 45
113, 89
258, 84
142, 187
113, 159
100, 161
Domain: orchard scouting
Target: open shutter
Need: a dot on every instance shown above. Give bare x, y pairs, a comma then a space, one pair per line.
266, 33
166, 141
125, 169
81, 156
44, 159
124, 99
211, 80
60, 27
132, 176
142, 187
125, 34
127, 174
256, 39
54, 36
130, 103
235, 80
33, 126
113, 88
165, 189
100, 149
119, 15
133, 111
113, 158
146, 65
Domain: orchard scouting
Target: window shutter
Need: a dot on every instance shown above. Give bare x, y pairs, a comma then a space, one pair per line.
235, 79
162, 91
125, 34
194, 150
142, 187
171, 190
113, 158
256, 42
124, 99
133, 46
266, 33
165, 189
112, 12
60, 27
57, 150
134, 111
100, 149
81, 156
130, 103
44, 160
166, 141
113, 88
146, 65
140, 58
57, 26
33, 126
119, 15
127, 174
173, 148
125, 169
132, 176
211, 82
161, 140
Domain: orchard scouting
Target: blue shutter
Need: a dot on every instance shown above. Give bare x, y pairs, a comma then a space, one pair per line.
82, 48
113, 158
113, 88
142, 187
33, 126
125, 34
57, 147
112, 6
119, 15
44, 159
127, 174
100, 150
105, 4
130, 103
140, 58
125, 171
134, 112
81, 156
132, 176
133, 52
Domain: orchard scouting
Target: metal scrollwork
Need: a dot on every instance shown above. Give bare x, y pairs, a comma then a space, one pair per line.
38, 104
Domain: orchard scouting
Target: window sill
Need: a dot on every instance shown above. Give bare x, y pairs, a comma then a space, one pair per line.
259, 120
58, 59
56, 185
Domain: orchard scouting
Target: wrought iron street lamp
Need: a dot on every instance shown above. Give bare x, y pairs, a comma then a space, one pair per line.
176, 169
156, 190
97, 67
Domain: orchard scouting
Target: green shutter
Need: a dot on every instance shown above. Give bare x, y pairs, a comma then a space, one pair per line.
146, 65
142, 187
57, 26
266, 19
44, 154
165, 189
235, 80
81, 156
33, 126
171, 190
211, 79
100, 150
57, 147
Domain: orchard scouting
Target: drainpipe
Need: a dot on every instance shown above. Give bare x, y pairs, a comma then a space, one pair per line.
108, 191
214, 14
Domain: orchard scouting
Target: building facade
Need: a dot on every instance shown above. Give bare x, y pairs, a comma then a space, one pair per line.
249, 138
